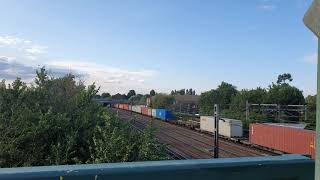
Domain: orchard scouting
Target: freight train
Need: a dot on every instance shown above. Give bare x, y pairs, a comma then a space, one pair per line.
271, 136
162, 114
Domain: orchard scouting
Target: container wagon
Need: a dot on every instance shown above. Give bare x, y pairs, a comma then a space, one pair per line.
149, 112
136, 109
164, 114
282, 138
227, 127
144, 111
154, 113
230, 127
126, 107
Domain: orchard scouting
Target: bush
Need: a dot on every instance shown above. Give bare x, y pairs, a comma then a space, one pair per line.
55, 121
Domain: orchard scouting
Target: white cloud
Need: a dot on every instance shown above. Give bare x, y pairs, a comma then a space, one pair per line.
108, 78
311, 58
36, 49
24, 47
9, 40
21, 57
267, 7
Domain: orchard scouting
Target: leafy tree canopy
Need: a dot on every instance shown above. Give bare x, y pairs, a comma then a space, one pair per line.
131, 93
105, 95
160, 101
55, 121
183, 92
256, 96
284, 94
282, 78
152, 93
119, 96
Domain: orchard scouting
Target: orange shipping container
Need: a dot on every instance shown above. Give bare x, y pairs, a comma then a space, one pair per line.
144, 111
126, 106
285, 139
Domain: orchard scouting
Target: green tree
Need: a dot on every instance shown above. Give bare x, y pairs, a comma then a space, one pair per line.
226, 92
182, 92
118, 96
207, 101
284, 94
56, 121
105, 95
135, 99
282, 78
126, 144
160, 101
152, 93
131, 93
255, 96
222, 96
311, 102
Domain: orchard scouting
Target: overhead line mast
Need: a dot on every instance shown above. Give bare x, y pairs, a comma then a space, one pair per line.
312, 21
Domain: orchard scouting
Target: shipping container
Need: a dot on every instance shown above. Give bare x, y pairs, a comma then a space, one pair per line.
154, 113
144, 111
136, 109
164, 114
207, 123
286, 139
230, 127
120, 106
126, 106
227, 127
150, 112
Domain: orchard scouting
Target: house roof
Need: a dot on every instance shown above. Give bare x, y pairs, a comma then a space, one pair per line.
187, 98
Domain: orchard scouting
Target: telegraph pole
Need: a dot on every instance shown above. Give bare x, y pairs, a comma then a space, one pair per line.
216, 131
312, 21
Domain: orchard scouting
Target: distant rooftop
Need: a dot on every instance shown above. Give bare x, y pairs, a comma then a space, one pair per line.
187, 98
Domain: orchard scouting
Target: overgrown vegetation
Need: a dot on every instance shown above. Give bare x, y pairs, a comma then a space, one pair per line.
55, 121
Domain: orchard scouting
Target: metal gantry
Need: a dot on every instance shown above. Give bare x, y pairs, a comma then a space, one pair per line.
279, 111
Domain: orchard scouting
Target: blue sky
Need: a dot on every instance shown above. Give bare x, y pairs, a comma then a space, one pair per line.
159, 44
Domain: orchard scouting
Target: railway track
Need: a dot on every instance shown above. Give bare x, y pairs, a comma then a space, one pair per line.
183, 143
171, 151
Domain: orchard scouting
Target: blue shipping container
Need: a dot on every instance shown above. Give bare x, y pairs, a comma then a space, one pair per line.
164, 114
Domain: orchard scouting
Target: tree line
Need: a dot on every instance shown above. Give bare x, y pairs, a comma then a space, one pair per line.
233, 101
183, 92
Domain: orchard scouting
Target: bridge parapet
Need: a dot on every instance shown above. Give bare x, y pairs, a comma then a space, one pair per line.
262, 168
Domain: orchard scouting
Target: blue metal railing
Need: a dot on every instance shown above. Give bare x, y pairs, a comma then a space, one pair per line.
261, 168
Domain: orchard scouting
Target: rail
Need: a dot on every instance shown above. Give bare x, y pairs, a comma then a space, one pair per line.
276, 167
